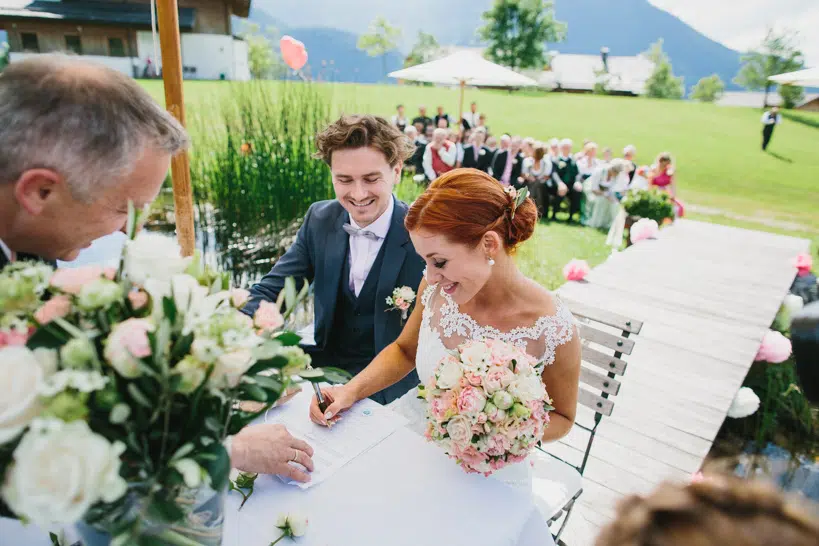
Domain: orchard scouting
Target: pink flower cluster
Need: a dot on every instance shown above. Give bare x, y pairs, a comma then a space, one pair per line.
487, 406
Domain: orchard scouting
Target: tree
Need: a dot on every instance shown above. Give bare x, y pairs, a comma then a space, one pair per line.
517, 32
662, 84
381, 38
708, 89
791, 95
262, 61
776, 55
423, 50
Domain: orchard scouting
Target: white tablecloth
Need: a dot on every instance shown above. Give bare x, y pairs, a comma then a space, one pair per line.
404, 491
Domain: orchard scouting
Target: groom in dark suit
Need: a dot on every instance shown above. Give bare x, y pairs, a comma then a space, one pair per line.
354, 249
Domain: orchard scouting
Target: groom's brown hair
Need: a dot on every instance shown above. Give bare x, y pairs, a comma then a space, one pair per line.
360, 131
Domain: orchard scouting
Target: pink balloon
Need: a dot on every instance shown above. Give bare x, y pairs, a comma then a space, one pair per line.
576, 270
643, 229
293, 52
775, 348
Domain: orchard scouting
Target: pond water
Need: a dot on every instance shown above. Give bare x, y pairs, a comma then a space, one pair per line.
793, 473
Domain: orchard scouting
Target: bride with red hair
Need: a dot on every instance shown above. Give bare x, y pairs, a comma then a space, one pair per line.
467, 227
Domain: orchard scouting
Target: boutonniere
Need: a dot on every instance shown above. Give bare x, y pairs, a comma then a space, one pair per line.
401, 300
514, 162
482, 152
562, 164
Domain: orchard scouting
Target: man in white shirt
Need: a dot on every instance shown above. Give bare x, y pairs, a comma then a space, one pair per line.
354, 249
770, 119
471, 119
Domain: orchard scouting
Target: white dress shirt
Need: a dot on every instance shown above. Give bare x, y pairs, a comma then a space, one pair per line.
364, 251
6, 250
472, 118
769, 119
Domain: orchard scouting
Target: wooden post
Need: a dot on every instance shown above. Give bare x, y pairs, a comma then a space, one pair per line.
169, 43
461, 108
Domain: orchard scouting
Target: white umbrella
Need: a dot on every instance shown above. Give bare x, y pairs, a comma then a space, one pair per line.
808, 77
464, 68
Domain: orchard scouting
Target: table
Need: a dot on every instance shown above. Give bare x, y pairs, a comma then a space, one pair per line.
403, 491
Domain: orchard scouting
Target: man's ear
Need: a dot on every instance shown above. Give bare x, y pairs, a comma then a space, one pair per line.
35, 187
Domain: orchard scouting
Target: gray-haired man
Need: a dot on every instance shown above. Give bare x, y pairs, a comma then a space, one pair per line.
78, 141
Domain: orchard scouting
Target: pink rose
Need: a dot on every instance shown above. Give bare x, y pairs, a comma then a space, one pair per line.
472, 456
471, 401
14, 337
399, 302
498, 378
57, 307
474, 379
497, 445
138, 299
239, 297
127, 343
404, 306
71, 280
443, 405
268, 317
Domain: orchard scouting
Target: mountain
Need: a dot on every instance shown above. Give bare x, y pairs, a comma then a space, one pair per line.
626, 27
332, 52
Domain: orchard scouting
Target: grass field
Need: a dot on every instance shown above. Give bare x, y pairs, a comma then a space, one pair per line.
722, 174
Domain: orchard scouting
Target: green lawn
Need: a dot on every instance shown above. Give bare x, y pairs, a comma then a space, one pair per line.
722, 173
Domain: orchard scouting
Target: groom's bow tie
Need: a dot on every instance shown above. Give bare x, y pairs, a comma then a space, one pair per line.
358, 232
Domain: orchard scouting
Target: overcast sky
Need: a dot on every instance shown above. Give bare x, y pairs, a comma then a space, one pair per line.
741, 24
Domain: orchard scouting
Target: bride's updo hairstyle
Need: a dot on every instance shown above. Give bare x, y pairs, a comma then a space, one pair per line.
466, 204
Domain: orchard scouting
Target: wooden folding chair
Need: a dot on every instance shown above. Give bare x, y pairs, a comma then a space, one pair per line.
557, 482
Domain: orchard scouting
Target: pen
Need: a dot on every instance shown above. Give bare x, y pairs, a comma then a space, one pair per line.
322, 403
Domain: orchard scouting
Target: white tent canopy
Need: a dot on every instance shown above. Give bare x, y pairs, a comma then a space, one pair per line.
464, 68
808, 77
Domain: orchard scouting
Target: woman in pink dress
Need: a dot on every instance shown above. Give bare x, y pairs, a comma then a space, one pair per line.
662, 176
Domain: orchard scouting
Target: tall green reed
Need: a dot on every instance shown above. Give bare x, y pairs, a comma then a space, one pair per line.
253, 171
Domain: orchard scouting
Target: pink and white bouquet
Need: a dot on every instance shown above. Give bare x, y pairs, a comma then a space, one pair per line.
487, 405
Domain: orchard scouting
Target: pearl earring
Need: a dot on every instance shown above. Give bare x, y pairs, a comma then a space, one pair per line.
491, 261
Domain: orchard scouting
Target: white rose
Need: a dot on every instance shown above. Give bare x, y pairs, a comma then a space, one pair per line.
59, 470
293, 525
99, 294
528, 388
230, 367
745, 403
187, 293
153, 256
48, 360
475, 357
205, 350
190, 470
406, 293
18, 405
449, 373
460, 431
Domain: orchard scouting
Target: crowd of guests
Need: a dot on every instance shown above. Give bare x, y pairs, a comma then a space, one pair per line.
587, 185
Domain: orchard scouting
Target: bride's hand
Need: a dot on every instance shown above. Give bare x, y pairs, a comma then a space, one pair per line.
338, 398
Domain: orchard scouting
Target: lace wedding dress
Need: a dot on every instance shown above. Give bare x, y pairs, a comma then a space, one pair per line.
444, 327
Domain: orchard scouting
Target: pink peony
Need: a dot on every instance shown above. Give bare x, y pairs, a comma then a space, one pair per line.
497, 445
127, 343
474, 379
803, 263
471, 400
498, 378
576, 270
443, 406
497, 464
57, 307
481, 418
71, 280
138, 299
268, 317
239, 297
471, 456
643, 229
14, 337
775, 348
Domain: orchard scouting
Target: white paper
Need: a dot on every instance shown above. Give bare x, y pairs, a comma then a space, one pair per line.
361, 427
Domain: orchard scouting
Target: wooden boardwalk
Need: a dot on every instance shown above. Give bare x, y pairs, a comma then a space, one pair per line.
706, 295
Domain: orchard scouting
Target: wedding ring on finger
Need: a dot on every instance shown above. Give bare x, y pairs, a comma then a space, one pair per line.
295, 455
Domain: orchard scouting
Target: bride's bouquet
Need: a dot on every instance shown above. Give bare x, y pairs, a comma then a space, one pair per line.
487, 406
118, 389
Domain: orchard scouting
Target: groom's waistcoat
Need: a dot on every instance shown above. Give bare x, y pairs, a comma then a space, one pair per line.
351, 343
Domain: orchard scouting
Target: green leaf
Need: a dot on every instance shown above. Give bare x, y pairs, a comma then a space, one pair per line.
169, 308
336, 375
55, 540
278, 362
288, 339
181, 348
138, 397
165, 510
290, 292
269, 383
253, 392
219, 468
214, 425
312, 373
49, 336
182, 451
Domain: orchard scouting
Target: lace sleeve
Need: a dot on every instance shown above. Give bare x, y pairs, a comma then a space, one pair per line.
559, 331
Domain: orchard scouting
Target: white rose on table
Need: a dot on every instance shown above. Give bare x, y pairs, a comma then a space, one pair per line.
292, 525
59, 470
460, 431
153, 256
19, 405
449, 373
528, 388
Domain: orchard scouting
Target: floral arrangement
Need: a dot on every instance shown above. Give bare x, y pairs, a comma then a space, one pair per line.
127, 384
576, 270
487, 406
401, 300
652, 204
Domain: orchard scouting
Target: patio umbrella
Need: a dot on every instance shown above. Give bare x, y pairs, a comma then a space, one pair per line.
463, 68
808, 77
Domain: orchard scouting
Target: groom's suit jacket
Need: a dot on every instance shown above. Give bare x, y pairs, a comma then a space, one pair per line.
320, 256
